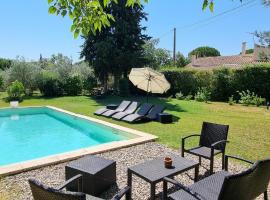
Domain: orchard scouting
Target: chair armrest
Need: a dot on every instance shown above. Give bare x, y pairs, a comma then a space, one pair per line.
184, 138
237, 158
190, 136
186, 189
121, 193
219, 142
73, 179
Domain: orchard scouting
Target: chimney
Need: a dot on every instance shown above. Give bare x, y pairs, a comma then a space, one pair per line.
244, 48
193, 59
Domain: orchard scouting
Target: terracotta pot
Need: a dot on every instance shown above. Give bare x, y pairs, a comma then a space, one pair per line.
167, 162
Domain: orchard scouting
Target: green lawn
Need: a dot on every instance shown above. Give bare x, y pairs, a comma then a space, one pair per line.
249, 126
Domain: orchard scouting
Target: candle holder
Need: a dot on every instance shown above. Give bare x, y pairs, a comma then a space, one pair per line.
168, 162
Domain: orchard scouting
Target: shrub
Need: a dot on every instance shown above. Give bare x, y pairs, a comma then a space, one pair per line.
179, 96
204, 78
222, 84
250, 98
203, 95
123, 87
231, 100
89, 83
181, 80
15, 91
258, 101
1, 82
73, 85
188, 97
49, 84
253, 78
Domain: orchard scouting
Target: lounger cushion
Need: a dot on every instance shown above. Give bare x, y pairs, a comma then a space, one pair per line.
120, 115
203, 151
132, 117
100, 111
143, 110
120, 108
130, 109
109, 113
153, 114
208, 187
89, 197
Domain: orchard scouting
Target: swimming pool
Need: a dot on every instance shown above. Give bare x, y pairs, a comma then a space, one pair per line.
33, 133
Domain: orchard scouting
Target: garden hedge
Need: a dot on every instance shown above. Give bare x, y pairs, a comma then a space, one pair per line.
221, 82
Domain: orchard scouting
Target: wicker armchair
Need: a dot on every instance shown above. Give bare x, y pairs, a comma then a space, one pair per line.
246, 185
42, 192
213, 139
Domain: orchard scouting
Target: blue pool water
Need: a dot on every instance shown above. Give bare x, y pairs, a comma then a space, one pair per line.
31, 133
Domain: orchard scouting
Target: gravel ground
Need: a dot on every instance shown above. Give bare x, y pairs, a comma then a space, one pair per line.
16, 187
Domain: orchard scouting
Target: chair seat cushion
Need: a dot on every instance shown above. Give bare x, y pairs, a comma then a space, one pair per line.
203, 151
89, 197
209, 188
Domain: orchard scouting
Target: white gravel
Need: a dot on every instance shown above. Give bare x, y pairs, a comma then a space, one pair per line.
16, 187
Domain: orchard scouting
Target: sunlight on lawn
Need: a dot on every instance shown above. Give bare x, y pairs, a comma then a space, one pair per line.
249, 132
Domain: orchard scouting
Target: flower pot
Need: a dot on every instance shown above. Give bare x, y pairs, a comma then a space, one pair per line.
168, 162
14, 104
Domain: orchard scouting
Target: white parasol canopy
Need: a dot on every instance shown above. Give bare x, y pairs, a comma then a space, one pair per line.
149, 80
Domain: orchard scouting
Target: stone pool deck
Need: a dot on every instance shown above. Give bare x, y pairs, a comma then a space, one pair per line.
16, 186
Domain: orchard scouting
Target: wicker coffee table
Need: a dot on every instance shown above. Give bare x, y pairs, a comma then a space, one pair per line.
98, 174
154, 171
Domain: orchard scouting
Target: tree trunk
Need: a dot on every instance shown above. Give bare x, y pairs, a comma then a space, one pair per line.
116, 81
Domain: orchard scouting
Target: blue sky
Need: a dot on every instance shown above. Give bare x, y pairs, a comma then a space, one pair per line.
28, 30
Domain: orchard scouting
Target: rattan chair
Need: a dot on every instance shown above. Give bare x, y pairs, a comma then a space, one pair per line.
213, 139
246, 185
42, 192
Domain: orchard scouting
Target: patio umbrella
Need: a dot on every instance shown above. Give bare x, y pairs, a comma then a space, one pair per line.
149, 80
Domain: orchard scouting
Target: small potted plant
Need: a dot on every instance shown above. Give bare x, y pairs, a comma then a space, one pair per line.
14, 104
15, 92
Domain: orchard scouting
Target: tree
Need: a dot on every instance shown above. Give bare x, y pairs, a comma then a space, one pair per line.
204, 51
266, 2
249, 51
62, 65
99, 51
181, 61
5, 63
117, 48
88, 17
264, 37
156, 57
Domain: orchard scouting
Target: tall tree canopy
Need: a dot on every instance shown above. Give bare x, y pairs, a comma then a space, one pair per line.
204, 52
119, 47
91, 16
5, 63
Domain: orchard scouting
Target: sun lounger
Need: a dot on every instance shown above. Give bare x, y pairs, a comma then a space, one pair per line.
130, 109
143, 110
153, 114
120, 108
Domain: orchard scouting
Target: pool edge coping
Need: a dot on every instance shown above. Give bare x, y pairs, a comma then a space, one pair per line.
20, 167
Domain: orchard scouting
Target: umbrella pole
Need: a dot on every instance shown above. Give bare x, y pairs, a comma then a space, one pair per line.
147, 91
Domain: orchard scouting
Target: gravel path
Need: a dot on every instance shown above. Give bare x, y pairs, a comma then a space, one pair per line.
16, 187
